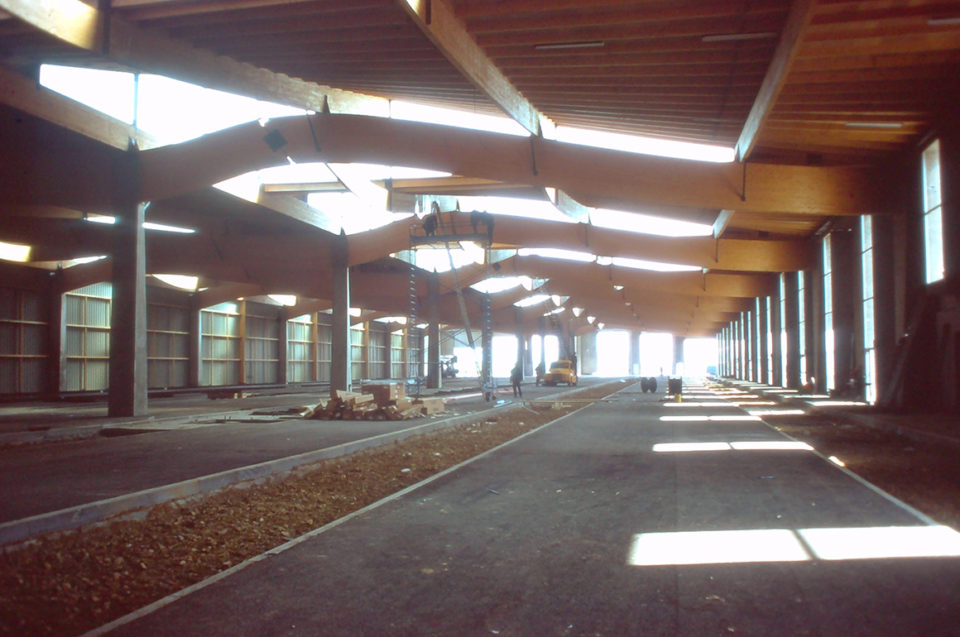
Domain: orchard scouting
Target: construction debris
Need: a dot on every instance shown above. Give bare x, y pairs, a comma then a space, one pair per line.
378, 401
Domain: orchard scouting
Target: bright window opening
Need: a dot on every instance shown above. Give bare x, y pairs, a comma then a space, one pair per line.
869, 376
828, 336
932, 214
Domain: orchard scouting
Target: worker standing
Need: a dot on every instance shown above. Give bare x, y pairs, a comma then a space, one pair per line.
516, 376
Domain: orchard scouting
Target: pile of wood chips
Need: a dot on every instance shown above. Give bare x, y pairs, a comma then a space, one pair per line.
376, 401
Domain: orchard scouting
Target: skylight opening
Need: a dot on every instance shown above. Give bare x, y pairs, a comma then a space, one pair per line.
641, 264
516, 207
438, 259
535, 299
453, 117
288, 300
149, 225
494, 285
181, 281
645, 145
556, 253
647, 224
14, 252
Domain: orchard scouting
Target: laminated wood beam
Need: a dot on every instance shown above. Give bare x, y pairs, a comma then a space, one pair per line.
797, 21
594, 177
86, 28
436, 19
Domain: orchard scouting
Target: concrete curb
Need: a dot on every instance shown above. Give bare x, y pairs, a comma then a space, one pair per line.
17, 531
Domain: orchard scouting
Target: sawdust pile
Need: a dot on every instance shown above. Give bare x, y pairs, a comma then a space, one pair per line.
71, 583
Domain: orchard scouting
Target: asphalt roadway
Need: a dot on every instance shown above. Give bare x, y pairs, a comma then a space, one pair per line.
606, 522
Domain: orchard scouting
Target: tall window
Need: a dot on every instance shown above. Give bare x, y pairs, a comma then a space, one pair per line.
869, 341
784, 378
802, 326
828, 343
932, 216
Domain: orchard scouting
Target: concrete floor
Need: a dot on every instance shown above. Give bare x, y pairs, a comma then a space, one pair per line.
582, 528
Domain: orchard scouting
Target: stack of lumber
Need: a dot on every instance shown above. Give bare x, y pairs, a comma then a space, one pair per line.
381, 401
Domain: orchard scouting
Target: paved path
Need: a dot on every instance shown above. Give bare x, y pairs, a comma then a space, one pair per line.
578, 528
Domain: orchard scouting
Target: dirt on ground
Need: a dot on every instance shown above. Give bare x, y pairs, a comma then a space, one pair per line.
925, 475
69, 583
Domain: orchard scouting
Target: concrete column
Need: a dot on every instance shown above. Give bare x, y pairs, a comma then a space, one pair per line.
816, 354
722, 353
521, 345
340, 374
753, 317
194, 343
791, 321
542, 327
776, 326
884, 299
588, 353
528, 357
847, 300
677, 354
634, 361
432, 355
128, 316
56, 338
242, 324
282, 347
763, 327
486, 341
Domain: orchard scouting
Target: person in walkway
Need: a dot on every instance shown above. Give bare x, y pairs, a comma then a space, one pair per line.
516, 376
541, 370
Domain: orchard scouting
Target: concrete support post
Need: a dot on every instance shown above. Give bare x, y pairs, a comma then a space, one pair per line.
242, 341
678, 365
816, 353
194, 343
282, 347
776, 326
128, 316
521, 345
340, 368
434, 375
486, 341
588, 353
753, 318
791, 321
634, 360
884, 299
542, 328
56, 338
847, 298
763, 329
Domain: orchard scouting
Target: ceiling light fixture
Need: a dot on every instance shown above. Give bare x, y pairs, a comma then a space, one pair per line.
568, 45
738, 37
946, 21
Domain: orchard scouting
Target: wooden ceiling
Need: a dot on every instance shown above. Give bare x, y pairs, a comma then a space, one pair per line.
807, 84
